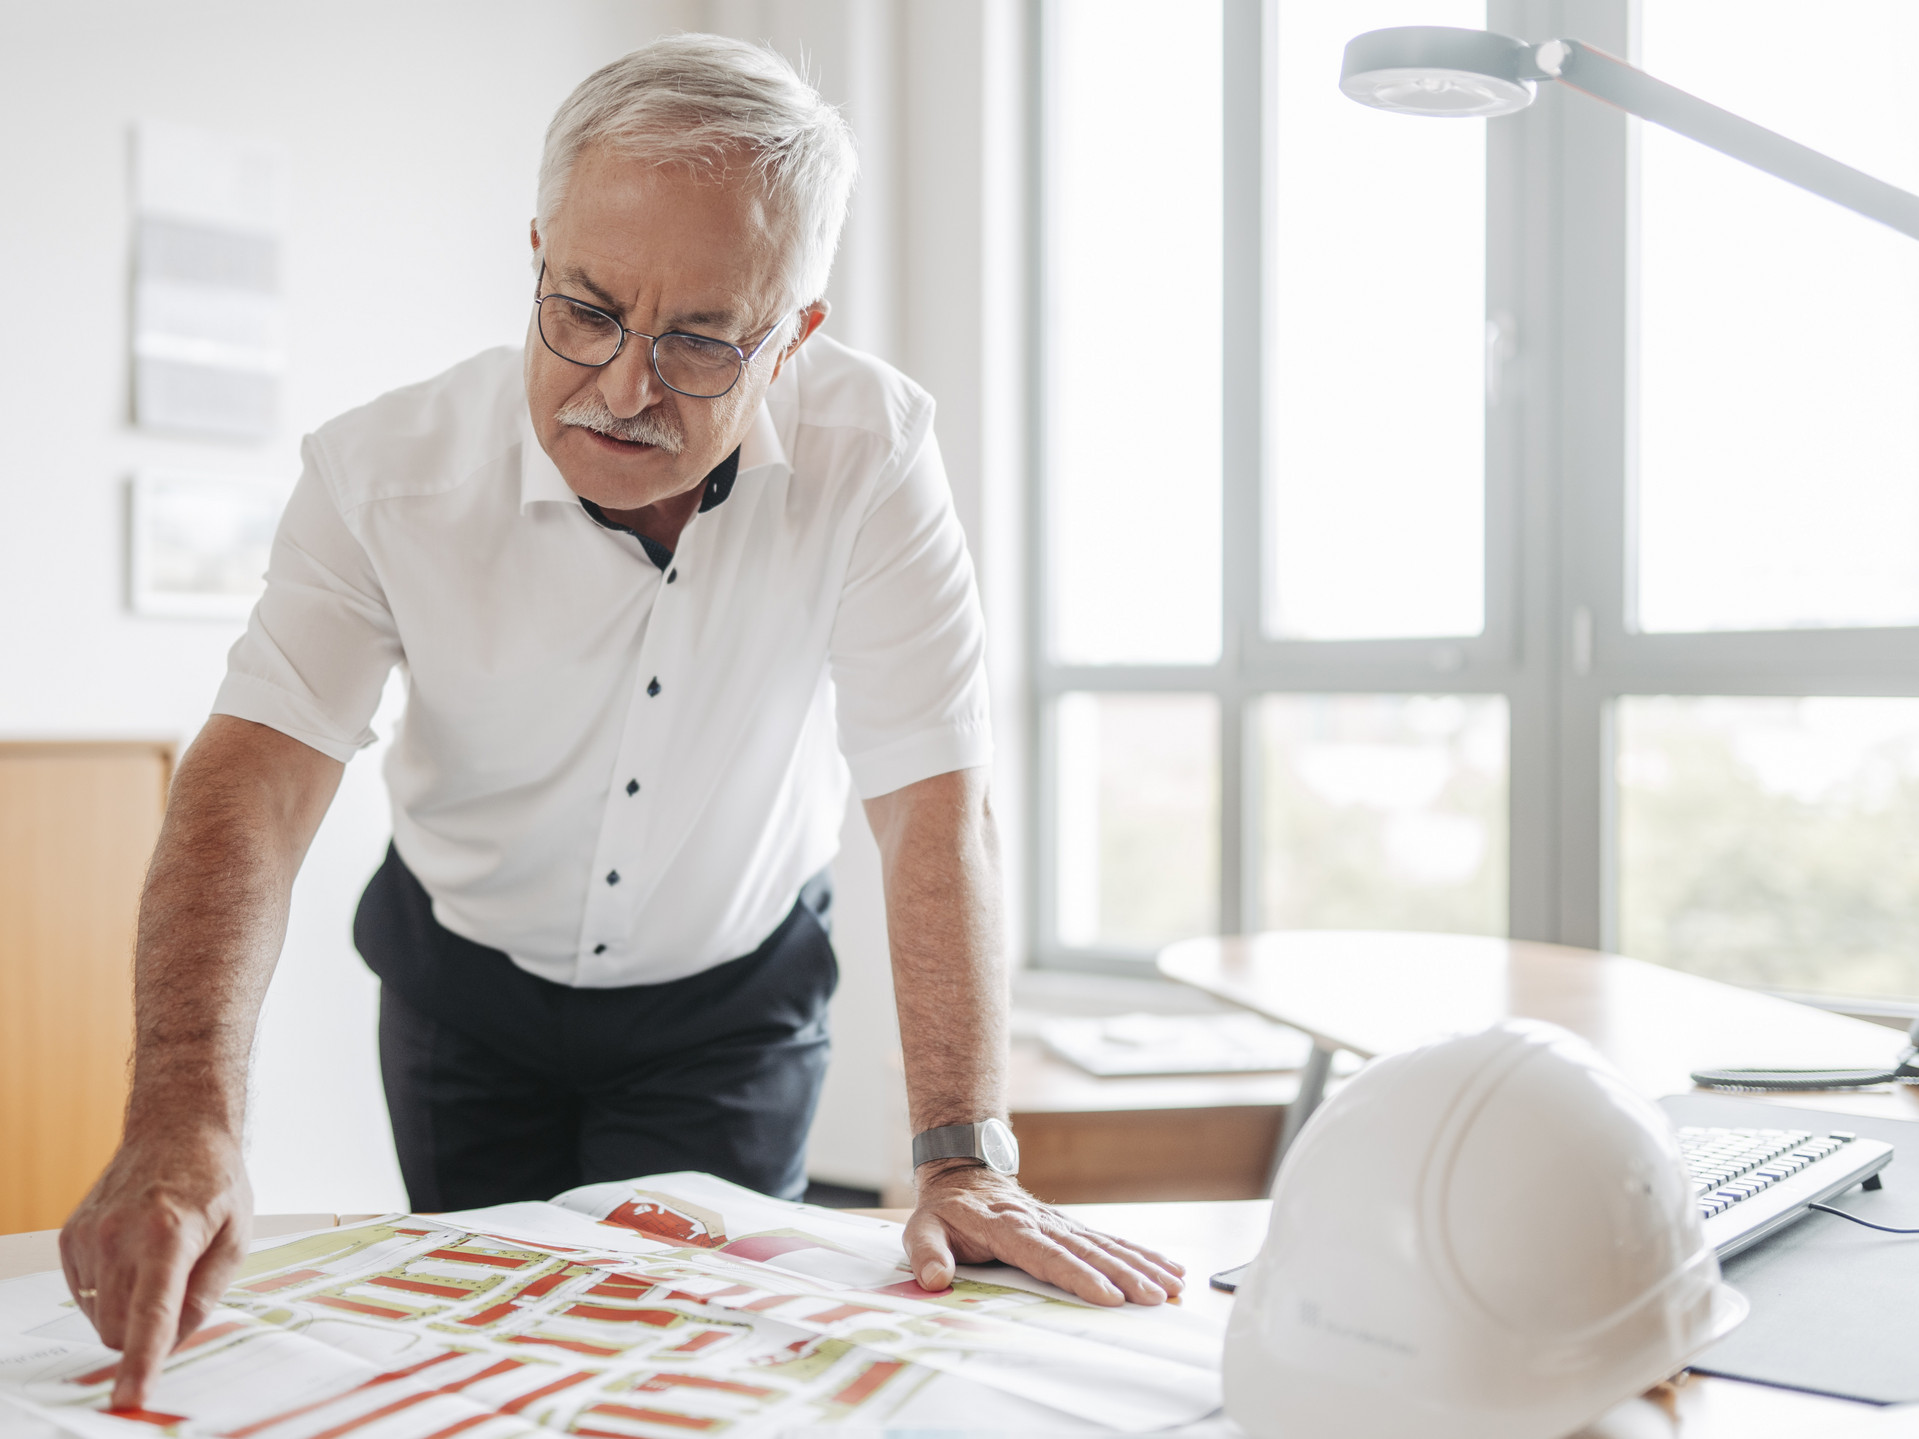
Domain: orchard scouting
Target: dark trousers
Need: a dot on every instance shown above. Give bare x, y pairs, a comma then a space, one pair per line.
504, 1086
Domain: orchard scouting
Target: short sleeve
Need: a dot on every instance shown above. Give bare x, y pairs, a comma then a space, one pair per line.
321, 640
909, 644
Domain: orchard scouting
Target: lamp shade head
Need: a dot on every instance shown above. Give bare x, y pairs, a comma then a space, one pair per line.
1439, 70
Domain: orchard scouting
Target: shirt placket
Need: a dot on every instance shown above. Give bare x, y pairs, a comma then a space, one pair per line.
631, 816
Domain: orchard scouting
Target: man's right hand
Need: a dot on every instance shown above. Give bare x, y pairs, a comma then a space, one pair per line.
152, 1248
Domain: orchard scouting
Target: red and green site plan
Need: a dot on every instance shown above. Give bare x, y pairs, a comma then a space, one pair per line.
667, 1307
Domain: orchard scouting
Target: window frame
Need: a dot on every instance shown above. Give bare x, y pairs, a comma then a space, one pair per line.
1557, 642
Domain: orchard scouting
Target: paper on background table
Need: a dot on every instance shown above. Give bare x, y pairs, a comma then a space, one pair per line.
1126, 1044
1153, 1044
673, 1305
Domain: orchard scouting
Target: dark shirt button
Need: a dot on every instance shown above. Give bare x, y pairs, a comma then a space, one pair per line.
599, 949
632, 786
612, 876
672, 575
653, 687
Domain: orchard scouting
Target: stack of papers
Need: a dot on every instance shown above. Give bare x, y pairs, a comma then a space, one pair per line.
658, 1308
1176, 1044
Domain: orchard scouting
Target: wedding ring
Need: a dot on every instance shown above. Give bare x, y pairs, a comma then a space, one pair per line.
86, 1294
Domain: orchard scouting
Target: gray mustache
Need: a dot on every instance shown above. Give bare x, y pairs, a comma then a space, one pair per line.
589, 412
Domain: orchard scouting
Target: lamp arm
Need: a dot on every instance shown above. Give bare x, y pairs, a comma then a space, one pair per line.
1595, 73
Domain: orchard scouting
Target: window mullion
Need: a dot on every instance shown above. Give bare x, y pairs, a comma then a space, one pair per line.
1246, 33
1042, 798
1592, 249
1524, 466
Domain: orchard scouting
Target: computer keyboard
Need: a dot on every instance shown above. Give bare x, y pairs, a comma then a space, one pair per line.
1749, 1182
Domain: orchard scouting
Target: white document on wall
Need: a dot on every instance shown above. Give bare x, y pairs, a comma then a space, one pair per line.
199, 544
658, 1308
209, 313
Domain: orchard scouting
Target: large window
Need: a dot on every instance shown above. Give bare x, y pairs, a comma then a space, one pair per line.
1134, 470
1778, 363
1376, 459
1489, 527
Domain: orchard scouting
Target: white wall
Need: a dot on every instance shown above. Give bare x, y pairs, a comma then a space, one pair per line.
413, 128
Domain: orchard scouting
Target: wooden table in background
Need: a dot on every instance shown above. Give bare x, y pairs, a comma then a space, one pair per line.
1374, 993
1090, 1140
1086, 1140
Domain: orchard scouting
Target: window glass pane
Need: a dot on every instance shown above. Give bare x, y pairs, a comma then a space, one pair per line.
1383, 812
1376, 498
1772, 841
1778, 356
1133, 332
1138, 858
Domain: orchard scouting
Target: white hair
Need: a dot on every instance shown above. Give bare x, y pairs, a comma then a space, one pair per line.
703, 101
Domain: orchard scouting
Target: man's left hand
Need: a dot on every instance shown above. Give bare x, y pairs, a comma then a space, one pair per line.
968, 1214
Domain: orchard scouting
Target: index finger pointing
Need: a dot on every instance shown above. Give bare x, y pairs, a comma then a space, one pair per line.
152, 1322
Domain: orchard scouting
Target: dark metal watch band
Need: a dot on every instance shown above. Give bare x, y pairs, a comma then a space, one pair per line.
949, 1141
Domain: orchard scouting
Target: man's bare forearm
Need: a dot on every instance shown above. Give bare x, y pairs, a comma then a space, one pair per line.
153, 1245
244, 808
949, 969
943, 907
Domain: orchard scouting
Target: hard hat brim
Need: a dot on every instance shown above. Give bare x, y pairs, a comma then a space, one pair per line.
1729, 1310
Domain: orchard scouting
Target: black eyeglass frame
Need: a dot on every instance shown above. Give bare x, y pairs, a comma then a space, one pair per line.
652, 341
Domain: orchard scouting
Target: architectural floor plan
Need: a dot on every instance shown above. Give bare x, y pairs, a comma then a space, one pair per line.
672, 1306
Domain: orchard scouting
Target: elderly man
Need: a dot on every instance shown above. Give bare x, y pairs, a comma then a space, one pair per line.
659, 581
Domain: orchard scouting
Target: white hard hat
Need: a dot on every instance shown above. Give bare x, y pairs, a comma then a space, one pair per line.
1489, 1237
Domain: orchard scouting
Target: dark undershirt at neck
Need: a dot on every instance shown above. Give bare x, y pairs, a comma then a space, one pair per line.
719, 484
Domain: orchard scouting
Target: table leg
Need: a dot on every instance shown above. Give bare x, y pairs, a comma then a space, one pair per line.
1312, 1089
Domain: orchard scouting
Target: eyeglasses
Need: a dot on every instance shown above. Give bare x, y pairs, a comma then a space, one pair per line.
696, 366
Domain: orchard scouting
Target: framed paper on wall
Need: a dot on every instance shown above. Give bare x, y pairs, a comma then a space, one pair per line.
197, 544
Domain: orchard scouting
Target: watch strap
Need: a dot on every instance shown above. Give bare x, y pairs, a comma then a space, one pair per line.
949, 1141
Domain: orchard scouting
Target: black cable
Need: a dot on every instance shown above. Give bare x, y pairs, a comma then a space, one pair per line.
1882, 1228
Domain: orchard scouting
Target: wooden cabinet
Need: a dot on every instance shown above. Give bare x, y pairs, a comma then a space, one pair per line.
78, 823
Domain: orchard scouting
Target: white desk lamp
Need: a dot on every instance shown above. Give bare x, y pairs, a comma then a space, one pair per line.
1439, 70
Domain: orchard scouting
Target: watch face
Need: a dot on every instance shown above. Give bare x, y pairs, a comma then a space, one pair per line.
998, 1147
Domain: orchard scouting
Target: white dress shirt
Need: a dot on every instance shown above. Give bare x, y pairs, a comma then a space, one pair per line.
618, 774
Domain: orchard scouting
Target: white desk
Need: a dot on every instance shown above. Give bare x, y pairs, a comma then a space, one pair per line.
1374, 993
1208, 1236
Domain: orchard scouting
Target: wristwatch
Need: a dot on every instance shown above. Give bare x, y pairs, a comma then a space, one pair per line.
990, 1141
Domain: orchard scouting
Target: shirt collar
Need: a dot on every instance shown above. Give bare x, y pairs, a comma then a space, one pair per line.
719, 481
540, 478
719, 484
762, 446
